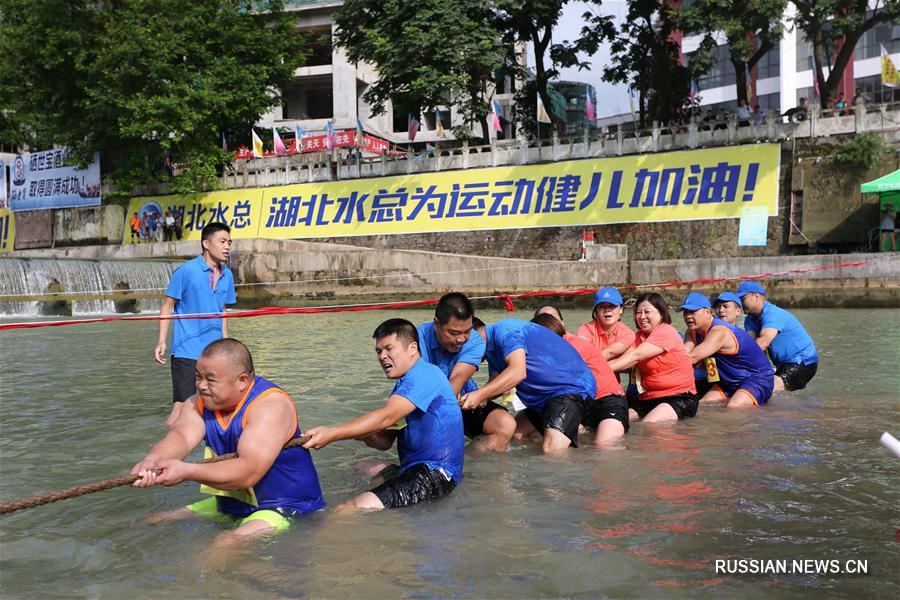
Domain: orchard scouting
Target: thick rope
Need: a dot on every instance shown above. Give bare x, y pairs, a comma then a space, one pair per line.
108, 484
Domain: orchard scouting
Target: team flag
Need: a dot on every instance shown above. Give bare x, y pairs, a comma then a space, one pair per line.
497, 111
889, 75
631, 104
412, 127
542, 115
360, 133
224, 142
695, 90
330, 137
299, 135
815, 77
750, 83
589, 112
438, 126
276, 141
257, 144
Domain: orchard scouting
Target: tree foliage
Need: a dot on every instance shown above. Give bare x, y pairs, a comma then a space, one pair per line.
833, 27
135, 79
863, 151
751, 28
427, 53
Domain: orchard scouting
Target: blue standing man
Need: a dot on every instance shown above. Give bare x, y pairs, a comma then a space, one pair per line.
790, 347
430, 445
447, 342
203, 285
550, 377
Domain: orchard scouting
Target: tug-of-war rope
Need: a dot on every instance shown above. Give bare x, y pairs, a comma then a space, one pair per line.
507, 300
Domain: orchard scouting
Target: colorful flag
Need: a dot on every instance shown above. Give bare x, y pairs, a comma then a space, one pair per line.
257, 144
276, 141
224, 142
360, 133
497, 111
695, 90
330, 137
750, 83
589, 113
631, 104
412, 127
542, 115
438, 125
299, 135
889, 75
815, 76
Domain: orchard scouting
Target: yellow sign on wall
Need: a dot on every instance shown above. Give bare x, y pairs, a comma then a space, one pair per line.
676, 186
7, 230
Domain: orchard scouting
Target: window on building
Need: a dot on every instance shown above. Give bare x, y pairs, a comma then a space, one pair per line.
308, 98
808, 92
767, 101
770, 64
869, 44
804, 53
319, 46
506, 83
721, 72
873, 91
430, 119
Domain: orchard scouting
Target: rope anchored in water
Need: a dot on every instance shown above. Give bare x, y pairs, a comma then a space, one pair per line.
108, 484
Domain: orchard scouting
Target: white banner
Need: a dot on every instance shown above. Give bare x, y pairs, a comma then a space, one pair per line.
43, 180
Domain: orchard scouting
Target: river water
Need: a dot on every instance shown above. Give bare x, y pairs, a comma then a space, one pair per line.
802, 478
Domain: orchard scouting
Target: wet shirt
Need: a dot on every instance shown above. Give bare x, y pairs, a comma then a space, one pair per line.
746, 363
593, 332
191, 287
471, 353
433, 435
291, 482
607, 381
669, 373
552, 366
792, 344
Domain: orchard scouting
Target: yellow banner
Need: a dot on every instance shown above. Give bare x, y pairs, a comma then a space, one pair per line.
239, 209
7, 230
676, 186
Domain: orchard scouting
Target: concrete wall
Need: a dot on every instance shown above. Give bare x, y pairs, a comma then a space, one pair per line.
34, 229
89, 225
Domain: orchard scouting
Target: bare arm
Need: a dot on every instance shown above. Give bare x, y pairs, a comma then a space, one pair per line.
168, 305
717, 339
614, 350
374, 421
185, 434
765, 337
460, 374
635, 355
510, 377
380, 440
224, 324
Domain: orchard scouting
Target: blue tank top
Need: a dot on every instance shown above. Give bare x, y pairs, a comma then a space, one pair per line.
749, 362
291, 482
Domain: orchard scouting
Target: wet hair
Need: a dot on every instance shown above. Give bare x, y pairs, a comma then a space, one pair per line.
550, 322
211, 228
236, 353
540, 308
453, 305
658, 302
403, 329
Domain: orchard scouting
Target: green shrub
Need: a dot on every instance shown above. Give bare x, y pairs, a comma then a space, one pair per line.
864, 150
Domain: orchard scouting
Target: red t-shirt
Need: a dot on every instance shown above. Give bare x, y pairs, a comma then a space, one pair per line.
607, 382
669, 373
593, 332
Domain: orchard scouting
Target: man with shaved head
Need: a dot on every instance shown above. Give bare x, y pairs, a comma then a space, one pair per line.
234, 410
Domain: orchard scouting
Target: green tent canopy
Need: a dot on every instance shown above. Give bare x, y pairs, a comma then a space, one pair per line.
888, 183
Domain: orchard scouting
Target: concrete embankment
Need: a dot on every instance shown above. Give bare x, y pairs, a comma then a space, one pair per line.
270, 271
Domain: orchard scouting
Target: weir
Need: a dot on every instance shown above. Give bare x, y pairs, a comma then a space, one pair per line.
45, 286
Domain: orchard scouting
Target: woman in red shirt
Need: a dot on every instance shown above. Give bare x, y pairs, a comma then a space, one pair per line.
665, 376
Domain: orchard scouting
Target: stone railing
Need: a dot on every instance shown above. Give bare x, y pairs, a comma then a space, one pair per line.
341, 164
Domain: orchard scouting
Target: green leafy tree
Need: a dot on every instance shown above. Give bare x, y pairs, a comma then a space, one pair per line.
427, 53
833, 27
751, 29
135, 79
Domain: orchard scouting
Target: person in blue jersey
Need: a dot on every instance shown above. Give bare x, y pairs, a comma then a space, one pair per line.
203, 285
430, 445
234, 410
741, 374
790, 347
550, 377
728, 307
447, 342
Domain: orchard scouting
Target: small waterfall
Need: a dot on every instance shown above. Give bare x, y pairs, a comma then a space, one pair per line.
78, 287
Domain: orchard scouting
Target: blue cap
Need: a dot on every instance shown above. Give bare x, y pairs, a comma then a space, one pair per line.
694, 301
750, 287
730, 297
610, 295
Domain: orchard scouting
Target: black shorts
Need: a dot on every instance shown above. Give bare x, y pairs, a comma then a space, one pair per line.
703, 386
607, 407
563, 413
416, 484
685, 405
796, 376
473, 420
184, 378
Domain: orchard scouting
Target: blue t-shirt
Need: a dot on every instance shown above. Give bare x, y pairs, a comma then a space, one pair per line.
792, 344
433, 435
552, 366
190, 287
472, 352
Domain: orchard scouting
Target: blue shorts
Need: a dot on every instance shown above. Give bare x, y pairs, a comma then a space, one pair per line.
760, 389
